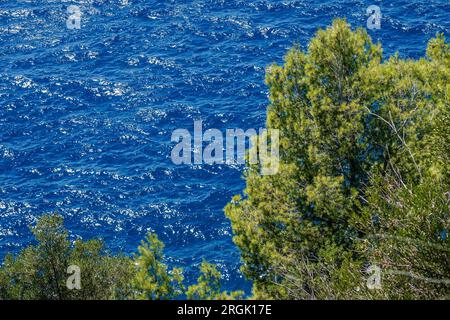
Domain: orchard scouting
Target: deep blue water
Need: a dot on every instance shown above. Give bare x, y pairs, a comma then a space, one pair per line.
86, 115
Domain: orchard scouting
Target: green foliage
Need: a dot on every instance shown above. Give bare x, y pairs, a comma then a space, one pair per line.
355, 133
152, 280
407, 237
40, 271
407, 220
208, 286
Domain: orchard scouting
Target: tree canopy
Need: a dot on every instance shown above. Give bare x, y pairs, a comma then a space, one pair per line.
364, 159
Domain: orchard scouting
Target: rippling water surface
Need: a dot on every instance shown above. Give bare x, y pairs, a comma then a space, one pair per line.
86, 115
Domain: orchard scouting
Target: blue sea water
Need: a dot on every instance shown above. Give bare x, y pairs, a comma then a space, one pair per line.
86, 115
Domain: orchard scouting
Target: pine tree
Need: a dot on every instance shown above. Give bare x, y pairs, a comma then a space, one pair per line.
208, 286
153, 281
40, 272
350, 126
